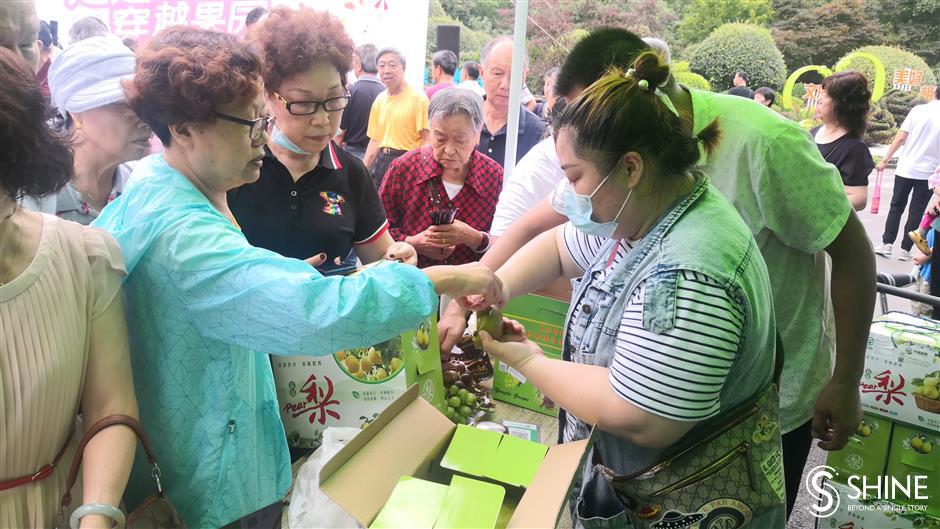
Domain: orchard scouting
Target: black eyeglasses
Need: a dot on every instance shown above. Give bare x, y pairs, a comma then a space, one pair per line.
307, 108
257, 127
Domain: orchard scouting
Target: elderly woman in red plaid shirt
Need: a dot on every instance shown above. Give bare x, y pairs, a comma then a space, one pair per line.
440, 198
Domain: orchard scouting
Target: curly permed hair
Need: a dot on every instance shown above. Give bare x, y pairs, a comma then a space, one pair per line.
293, 40
185, 74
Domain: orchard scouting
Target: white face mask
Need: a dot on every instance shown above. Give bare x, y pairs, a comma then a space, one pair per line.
579, 210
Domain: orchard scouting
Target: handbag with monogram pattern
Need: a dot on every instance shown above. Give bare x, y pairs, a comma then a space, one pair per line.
724, 479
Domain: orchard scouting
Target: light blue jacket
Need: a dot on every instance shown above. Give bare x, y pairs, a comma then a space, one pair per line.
203, 308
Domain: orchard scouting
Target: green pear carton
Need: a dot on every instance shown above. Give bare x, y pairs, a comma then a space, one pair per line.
544, 322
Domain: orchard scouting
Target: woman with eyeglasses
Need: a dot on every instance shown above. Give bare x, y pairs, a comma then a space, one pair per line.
313, 199
204, 307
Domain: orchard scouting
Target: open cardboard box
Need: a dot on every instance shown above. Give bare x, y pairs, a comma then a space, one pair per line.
410, 438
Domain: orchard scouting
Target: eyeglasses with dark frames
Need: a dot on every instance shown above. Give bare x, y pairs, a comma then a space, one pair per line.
308, 108
257, 127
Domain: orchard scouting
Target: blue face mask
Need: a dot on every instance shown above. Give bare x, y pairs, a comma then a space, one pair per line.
579, 209
281, 140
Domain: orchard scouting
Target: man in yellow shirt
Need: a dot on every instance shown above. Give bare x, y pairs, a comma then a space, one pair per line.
398, 121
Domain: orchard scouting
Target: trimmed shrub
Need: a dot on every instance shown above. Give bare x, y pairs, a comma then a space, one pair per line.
893, 59
881, 126
738, 46
693, 80
899, 103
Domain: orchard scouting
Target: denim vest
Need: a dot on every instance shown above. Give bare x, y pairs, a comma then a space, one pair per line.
703, 233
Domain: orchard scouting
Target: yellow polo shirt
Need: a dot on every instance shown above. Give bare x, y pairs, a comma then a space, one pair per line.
396, 121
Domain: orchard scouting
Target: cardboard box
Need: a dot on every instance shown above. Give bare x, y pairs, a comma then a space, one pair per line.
847, 515
544, 322
916, 452
866, 453
411, 439
903, 356
318, 392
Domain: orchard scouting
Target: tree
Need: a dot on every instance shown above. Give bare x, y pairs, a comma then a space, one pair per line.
555, 26
737, 46
912, 24
822, 34
471, 40
479, 15
706, 15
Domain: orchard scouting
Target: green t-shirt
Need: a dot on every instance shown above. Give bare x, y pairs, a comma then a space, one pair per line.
795, 205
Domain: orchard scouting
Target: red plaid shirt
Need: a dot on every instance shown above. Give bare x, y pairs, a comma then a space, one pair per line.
413, 182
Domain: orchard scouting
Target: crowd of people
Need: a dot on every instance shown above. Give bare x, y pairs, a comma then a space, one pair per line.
709, 247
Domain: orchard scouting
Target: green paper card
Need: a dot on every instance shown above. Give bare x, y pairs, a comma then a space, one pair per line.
516, 461
491, 455
414, 504
471, 449
471, 504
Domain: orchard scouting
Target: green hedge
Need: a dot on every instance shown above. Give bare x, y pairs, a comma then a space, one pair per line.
738, 46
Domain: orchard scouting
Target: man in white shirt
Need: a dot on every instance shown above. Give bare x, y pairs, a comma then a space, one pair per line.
536, 175
795, 205
920, 136
470, 73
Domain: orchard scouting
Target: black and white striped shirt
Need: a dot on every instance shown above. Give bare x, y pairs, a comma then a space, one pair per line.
677, 374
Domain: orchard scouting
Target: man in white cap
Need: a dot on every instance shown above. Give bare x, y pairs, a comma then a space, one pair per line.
86, 85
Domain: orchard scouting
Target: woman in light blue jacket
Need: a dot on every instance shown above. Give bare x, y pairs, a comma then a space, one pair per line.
204, 306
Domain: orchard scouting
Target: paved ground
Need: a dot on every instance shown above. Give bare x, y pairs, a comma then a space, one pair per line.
874, 225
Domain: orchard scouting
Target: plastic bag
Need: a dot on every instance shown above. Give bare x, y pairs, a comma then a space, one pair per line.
309, 506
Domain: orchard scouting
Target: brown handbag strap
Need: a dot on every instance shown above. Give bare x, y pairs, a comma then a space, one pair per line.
106, 422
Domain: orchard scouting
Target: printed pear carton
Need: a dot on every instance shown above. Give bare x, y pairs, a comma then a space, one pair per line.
866, 453
544, 322
901, 381
915, 455
351, 387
